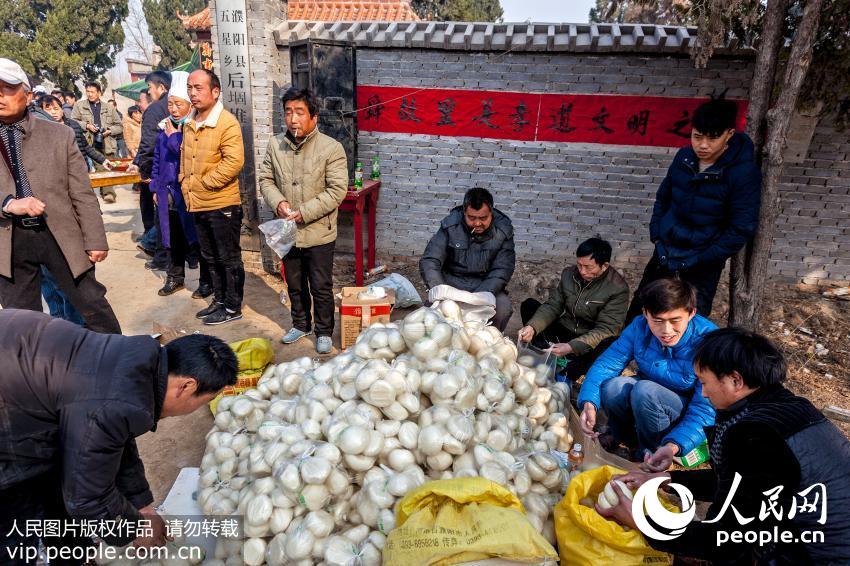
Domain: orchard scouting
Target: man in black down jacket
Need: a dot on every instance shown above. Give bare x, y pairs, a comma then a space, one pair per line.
473, 251
72, 403
158, 84
769, 438
707, 207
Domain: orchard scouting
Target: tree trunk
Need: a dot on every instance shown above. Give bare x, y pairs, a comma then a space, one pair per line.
778, 120
764, 78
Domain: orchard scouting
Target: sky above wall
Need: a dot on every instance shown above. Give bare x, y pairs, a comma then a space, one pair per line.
561, 11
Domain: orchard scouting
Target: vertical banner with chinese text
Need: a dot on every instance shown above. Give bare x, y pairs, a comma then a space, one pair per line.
235, 74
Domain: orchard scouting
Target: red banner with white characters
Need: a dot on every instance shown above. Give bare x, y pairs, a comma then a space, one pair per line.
587, 118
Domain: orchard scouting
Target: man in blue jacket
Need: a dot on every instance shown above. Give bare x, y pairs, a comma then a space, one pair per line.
707, 207
661, 410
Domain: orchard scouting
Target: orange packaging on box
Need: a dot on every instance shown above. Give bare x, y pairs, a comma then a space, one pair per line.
357, 313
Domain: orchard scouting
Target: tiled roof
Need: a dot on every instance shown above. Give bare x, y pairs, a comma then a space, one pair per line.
351, 10
327, 11
198, 22
504, 36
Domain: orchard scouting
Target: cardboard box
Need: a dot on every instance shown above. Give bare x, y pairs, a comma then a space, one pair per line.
355, 313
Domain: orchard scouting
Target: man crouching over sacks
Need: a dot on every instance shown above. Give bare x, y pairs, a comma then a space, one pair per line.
473, 251
72, 403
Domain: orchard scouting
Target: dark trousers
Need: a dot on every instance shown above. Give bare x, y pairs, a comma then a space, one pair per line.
557, 333
182, 251
146, 205
107, 190
703, 277
32, 248
161, 254
218, 235
37, 499
309, 276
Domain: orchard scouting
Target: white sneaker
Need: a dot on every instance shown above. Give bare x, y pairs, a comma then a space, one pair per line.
324, 345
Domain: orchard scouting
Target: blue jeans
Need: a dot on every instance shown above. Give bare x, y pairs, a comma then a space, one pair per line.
57, 301
640, 411
148, 241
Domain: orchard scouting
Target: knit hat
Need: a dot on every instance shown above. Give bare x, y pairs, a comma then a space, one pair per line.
179, 82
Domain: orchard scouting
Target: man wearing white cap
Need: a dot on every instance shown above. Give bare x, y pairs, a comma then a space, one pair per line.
50, 216
176, 223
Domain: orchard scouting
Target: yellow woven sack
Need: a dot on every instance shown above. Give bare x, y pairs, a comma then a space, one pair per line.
586, 538
253, 354
461, 520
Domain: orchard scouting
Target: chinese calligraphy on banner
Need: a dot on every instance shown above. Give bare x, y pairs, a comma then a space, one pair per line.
206, 55
588, 118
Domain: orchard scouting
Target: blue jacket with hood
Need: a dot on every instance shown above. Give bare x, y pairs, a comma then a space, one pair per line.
671, 367
706, 217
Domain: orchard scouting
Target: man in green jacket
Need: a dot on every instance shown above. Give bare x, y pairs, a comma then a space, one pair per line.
584, 313
304, 177
102, 126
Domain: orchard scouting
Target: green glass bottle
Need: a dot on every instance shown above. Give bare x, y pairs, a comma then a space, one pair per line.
376, 168
358, 176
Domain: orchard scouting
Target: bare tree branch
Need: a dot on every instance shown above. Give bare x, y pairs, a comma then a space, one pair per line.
764, 77
778, 122
137, 39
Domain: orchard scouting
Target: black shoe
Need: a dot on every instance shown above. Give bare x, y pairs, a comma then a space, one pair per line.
221, 316
214, 307
155, 266
147, 251
192, 263
203, 291
171, 286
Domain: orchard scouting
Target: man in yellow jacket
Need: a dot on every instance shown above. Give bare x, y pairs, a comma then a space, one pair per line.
211, 158
304, 177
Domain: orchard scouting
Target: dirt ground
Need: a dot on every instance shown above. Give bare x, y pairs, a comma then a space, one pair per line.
797, 317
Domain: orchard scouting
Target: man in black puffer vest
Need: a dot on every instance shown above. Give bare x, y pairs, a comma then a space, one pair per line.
768, 448
707, 207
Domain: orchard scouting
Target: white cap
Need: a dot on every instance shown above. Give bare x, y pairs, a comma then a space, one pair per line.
12, 73
40, 88
179, 82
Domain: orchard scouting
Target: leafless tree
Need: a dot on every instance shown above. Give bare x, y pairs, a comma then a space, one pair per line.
138, 41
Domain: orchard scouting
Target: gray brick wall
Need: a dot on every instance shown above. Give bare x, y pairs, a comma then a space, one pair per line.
557, 194
813, 235
561, 193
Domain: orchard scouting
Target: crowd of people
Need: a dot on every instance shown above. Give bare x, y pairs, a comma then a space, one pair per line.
691, 383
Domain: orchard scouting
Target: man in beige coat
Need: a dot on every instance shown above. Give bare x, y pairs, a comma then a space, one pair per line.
102, 126
304, 177
50, 216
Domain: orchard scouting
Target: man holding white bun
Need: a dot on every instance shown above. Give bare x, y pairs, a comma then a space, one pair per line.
778, 471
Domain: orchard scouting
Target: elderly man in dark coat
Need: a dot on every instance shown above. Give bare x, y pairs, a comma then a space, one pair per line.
50, 216
72, 403
473, 251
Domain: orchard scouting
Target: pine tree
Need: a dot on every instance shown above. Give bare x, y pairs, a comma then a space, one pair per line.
458, 10
167, 29
62, 40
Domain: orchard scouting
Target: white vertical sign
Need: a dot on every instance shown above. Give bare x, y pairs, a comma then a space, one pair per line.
231, 19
